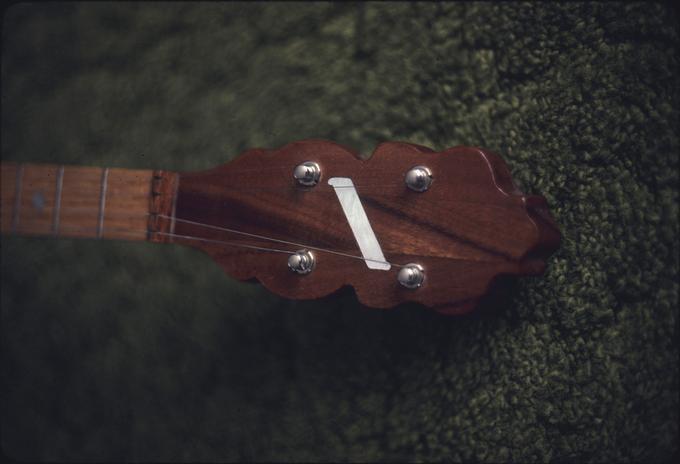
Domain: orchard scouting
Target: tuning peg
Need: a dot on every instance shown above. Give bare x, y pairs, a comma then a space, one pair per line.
411, 276
419, 178
307, 173
301, 261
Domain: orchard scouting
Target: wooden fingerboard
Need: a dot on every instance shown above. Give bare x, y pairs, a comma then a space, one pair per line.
68, 201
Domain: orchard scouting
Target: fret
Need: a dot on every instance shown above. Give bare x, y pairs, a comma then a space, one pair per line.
80, 201
57, 201
102, 202
128, 194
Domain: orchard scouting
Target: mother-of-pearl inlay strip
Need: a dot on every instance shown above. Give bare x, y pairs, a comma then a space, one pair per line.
358, 222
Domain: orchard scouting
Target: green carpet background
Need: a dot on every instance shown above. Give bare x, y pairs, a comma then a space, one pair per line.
134, 351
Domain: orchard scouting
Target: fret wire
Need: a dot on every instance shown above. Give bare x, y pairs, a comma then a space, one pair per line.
102, 202
57, 200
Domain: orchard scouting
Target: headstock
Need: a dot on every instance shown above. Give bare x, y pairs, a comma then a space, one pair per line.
468, 226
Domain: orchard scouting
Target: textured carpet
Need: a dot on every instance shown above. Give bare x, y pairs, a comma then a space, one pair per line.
122, 351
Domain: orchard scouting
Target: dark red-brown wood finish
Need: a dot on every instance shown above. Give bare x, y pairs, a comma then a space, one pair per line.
471, 226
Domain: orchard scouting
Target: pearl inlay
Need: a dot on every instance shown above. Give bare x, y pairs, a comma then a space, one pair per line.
38, 201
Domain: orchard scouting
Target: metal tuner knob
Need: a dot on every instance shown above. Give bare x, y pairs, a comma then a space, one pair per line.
301, 261
419, 178
411, 276
307, 173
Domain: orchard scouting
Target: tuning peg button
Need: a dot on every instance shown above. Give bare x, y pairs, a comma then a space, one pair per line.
411, 276
419, 178
307, 173
301, 261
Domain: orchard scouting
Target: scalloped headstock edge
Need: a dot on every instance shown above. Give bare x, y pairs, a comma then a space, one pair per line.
469, 227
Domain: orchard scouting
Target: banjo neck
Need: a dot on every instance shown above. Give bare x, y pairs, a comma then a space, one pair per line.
406, 224
84, 202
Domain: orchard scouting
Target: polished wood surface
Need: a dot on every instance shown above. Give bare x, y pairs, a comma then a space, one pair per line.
69, 201
472, 226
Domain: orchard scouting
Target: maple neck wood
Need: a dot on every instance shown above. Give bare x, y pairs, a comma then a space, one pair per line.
85, 202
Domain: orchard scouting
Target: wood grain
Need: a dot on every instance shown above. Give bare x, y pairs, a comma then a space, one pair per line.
472, 225
32, 201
